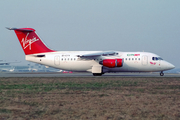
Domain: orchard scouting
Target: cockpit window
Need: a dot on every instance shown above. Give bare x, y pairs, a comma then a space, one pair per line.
156, 58
159, 58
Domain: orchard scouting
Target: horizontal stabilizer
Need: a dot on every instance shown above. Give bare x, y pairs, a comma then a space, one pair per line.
22, 29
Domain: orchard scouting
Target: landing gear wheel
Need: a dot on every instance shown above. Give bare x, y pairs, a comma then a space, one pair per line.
97, 74
161, 74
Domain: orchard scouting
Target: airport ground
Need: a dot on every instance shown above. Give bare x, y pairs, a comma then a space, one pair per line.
85, 74
109, 97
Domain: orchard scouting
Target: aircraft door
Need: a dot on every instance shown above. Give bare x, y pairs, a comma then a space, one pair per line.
57, 60
144, 60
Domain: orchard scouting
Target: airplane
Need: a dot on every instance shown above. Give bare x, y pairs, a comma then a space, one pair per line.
7, 69
2, 62
96, 62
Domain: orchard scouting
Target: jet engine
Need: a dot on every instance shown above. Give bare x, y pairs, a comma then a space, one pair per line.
111, 63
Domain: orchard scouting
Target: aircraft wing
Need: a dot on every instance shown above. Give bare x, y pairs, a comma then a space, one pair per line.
97, 54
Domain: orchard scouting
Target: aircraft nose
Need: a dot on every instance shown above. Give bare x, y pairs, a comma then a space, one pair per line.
170, 66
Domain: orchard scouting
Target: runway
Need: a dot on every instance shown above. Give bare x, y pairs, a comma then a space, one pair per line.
55, 74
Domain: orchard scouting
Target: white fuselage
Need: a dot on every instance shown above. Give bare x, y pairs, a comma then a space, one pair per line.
132, 61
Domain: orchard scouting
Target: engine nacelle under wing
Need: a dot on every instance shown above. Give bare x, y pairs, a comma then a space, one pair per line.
111, 63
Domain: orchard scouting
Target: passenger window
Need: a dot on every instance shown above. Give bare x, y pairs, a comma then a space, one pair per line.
62, 59
126, 58
129, 58
132, 58
135, 58
139, 58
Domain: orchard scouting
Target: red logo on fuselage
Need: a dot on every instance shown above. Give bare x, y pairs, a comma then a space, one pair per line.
153, 63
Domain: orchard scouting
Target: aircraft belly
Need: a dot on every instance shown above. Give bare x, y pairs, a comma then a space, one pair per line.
76, 65
131, 67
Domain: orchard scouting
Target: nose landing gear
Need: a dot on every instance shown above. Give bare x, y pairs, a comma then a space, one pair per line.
161, 73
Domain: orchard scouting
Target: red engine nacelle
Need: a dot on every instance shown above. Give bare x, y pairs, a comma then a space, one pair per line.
111, 63
119, 62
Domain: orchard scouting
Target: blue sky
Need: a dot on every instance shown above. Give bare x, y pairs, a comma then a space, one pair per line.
85, 25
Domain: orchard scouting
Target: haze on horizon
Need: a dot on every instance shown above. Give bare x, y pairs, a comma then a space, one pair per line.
150, 26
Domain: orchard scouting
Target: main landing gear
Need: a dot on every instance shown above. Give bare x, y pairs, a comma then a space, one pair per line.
97, 74
161, 73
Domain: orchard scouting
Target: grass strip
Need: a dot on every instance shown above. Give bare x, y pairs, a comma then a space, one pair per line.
70, 85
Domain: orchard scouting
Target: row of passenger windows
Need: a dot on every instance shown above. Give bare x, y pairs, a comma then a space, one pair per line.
132, 59
153, 58
76, 59
68, 59
96, 59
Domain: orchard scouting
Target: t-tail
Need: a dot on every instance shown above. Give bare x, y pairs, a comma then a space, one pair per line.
30, 41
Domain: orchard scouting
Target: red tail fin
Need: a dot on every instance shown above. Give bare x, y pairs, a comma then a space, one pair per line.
30, 42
